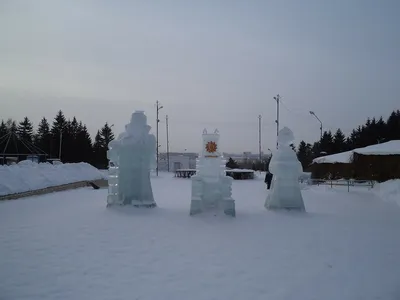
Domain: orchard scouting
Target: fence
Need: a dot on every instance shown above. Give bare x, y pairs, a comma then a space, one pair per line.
342, 182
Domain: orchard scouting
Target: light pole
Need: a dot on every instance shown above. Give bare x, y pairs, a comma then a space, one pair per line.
313, 113
259, 137
166, 124
277, 98
157, 121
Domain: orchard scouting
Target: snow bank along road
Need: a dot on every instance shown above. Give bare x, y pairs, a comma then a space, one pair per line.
68, 245
27, 178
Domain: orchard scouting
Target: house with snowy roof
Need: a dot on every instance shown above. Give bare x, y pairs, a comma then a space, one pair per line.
379, 162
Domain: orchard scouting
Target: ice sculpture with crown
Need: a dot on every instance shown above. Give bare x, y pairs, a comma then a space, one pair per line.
285, 191
211, 188
131, 156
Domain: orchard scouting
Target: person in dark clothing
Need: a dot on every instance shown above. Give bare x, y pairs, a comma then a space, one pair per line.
268, 179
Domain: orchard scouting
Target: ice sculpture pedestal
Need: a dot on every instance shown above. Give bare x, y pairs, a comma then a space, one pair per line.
131, 156
285, 190
211, 188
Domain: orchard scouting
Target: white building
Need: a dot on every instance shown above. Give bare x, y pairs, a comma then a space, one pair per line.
177, 161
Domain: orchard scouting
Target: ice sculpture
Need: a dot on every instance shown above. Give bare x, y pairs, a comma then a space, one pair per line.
131, 156
285, 190
211, 188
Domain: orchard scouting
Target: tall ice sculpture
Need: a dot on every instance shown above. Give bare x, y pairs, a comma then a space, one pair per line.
211, 188
285, 190
132, 156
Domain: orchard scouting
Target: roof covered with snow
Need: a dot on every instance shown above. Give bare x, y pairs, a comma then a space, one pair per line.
388, 148
344, 157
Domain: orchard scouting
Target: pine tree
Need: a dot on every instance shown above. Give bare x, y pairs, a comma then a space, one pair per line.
56, 132
381, 129
25, 130
84, 141
304, 154
98, 151
393, 126
3, 130
12, 144
326, 143
69, 148
107, 135
43, 136
339, 142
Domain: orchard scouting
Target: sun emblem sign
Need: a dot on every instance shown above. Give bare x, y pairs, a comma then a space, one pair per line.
211, 147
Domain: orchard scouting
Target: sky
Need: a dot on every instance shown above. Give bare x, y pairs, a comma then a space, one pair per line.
211, 64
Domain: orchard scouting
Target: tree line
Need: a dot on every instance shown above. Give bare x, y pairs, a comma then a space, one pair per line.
374, 131
76, 142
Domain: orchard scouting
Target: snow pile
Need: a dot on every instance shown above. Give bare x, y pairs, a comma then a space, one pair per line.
28, 176
388, 190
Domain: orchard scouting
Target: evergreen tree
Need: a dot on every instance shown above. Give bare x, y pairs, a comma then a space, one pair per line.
12, 145
381, 129
84, 141
107, 135
231, 164
56, 131
3, 130
304, 154
393, 126
43, 136
339, 142
99, 152
326, 144
69, 149
25, 130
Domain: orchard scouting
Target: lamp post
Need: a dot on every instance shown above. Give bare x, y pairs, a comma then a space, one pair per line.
158, 121
313, 113
277, 98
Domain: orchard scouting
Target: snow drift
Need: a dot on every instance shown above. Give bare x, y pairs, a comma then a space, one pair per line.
28, 176
388, 190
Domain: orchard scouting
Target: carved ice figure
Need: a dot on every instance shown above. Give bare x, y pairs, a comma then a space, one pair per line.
131, 156
285, 189
211, 188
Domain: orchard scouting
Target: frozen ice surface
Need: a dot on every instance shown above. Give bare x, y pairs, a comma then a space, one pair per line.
286, 169
69, 246
134, 155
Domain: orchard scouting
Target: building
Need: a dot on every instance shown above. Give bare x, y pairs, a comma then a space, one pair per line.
378, 162
177, 161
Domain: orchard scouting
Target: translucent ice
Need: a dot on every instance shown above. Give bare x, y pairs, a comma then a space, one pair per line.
285, 189
211, 188
134, 155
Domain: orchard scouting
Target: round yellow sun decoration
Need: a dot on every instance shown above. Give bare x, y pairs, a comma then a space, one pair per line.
211, 147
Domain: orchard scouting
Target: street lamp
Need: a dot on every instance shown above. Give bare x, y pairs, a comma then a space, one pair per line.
158, 121
313, 113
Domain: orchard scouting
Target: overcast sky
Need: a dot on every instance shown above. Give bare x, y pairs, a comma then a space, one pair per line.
211, 64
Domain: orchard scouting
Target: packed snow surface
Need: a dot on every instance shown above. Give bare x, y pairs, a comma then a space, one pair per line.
27, 176
68, 245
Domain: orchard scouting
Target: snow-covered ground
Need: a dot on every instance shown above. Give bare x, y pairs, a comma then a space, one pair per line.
28, 176
68, 245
